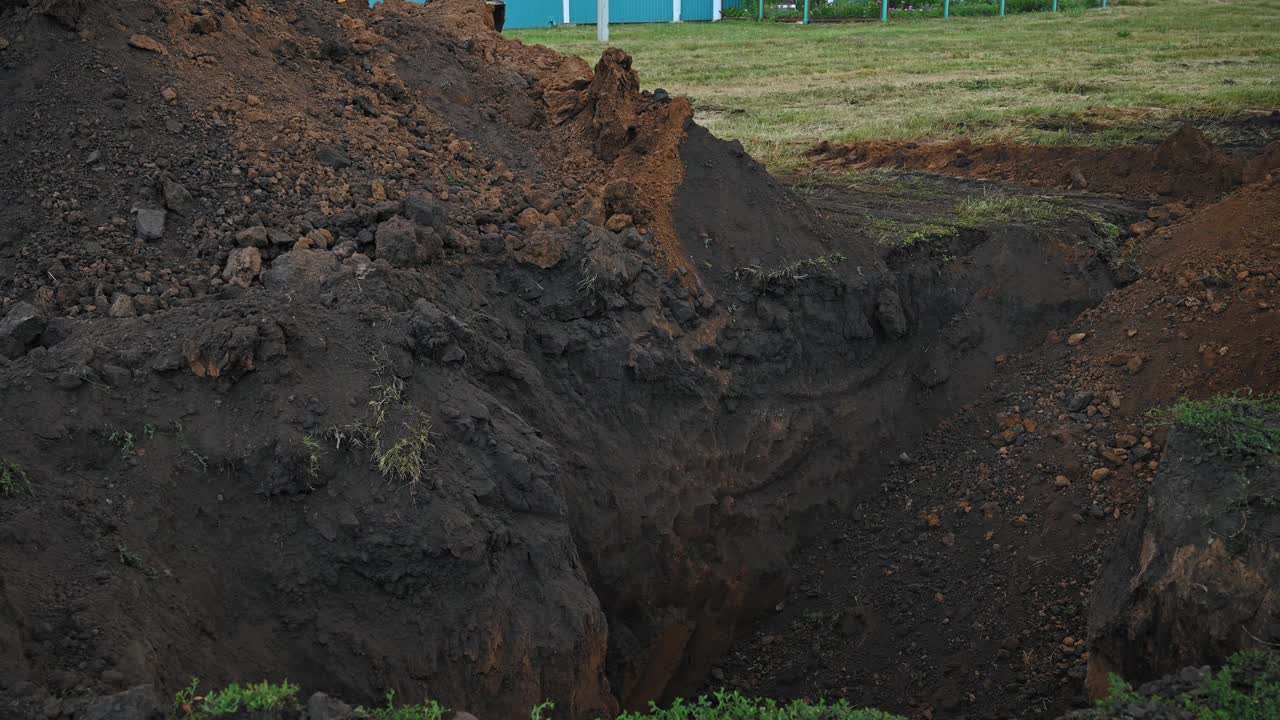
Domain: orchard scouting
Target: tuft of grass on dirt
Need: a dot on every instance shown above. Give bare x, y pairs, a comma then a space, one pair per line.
1065, 78
1236, 424
235, 700
312, 451
402, 460
427, 710
405, 461
789, 274
1007, 209
734, 706
1246, 688
124, 440
13, 479
902, 235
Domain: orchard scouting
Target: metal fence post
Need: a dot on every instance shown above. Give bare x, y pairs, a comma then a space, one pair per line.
762, 10
884, 10
946, 8
806, 12
1001, 8
1055, 5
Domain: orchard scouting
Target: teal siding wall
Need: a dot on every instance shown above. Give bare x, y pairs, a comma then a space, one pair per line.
622, 11
695, 9
534, 13
544, 13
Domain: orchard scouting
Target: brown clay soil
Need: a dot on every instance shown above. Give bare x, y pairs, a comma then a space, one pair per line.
687, 427
1185, 166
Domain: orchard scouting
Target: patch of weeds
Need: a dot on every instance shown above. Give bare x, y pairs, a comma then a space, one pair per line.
13, 479
1106, 240
898, 235
403, 460
1236, 424
124, 440
184, 701
1246, 688
733, 706
428, 710
791, 274
129, 558
1007, 209
149, 431
235, 699
1119, 693
313, 451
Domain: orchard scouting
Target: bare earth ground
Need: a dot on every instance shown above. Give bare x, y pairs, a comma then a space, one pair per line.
457, 367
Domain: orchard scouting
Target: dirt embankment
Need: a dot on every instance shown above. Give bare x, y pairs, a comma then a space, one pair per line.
372, 350
1011, 556
1185, 166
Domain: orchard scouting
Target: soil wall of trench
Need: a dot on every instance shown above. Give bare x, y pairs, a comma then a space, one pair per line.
630, 426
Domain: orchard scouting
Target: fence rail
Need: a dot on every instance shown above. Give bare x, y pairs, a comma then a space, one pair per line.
809, 11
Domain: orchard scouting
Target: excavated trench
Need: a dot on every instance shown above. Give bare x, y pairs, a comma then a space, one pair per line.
629, 432
939, 314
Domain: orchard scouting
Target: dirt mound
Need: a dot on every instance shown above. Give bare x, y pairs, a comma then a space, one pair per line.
337, 346
1185, 166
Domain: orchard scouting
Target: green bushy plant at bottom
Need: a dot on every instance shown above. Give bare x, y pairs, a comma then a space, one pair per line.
733, 706
428, 710
235, 698
1247, 687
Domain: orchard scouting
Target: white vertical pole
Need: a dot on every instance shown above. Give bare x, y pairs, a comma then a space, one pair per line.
566, 12
716, 7
602, 21
675, 10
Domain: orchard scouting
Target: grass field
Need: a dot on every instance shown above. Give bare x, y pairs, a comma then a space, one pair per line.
1094, 77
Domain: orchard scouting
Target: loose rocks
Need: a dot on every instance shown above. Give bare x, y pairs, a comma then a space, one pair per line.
149, 224
404, 244
20, 328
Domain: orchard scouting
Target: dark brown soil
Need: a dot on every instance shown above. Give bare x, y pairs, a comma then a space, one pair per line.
659, 384
959, 585
1185, 166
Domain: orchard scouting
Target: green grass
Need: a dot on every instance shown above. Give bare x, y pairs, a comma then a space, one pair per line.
1246, 688
13, 479
235, 699
1007, 209
403, 460
428, 710
1126, 74
898, 234
732, 706
1238, 424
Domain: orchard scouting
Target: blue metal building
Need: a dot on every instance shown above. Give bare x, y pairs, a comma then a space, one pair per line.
547, 13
